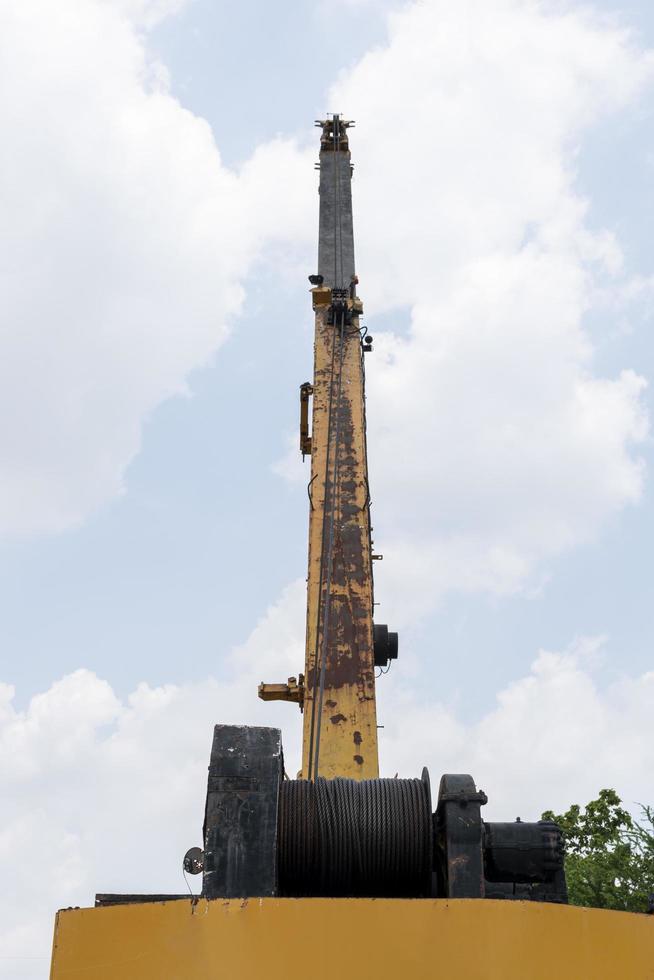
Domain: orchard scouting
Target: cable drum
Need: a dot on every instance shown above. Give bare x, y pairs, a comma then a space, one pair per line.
349, 838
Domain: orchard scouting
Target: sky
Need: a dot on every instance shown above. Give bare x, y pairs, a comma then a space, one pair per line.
159, 221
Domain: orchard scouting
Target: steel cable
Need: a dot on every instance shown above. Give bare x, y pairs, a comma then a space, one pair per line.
326, 556
326, 610
313, 769
343, 837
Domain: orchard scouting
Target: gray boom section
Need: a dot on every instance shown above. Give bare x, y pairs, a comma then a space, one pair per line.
336, 233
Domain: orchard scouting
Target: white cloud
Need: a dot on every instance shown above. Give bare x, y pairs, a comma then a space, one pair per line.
125, 245
105, 794
147, 13
128, 244
494, 443
468, 124
95, 785
554, 737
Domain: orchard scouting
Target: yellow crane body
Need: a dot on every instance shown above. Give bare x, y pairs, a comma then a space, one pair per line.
422, 939
290, 866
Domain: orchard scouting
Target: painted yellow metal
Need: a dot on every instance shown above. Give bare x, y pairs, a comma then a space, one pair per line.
293, 690
348, 739
284, 939
338, 698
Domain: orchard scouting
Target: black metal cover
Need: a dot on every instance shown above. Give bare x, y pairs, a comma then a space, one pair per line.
522, 852
240, 823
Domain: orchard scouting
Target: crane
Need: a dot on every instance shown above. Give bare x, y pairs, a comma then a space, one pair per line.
339, 870
338, 689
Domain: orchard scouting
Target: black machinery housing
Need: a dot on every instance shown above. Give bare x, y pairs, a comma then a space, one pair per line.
266, 835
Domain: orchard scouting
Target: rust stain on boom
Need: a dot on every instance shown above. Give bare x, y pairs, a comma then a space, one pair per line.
340, 723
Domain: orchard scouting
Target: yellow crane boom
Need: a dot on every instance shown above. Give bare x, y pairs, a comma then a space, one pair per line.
340, 721
337, 689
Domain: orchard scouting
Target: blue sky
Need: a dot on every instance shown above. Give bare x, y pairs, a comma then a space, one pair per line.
154, 534
156, 584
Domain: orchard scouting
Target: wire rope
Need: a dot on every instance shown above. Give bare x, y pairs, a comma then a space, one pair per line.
330, 553
344, 837
322, 619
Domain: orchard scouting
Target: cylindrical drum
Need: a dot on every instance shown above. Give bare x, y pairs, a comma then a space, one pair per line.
343, 837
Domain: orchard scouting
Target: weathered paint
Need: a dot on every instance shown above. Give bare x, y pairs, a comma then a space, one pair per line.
348, 739
240, 817
284, 939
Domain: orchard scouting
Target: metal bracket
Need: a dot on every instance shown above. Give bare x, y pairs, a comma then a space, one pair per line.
334, 132
341, 307
321, 297
293, 690
306, 391
459, 832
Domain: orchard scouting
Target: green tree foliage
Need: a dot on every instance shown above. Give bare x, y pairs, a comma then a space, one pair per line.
609, 860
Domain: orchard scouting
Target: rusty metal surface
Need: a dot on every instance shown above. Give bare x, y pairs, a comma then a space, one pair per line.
349, 696
339, 488
459, 830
